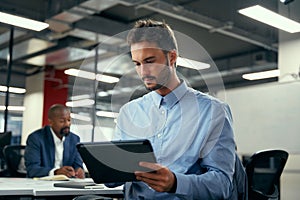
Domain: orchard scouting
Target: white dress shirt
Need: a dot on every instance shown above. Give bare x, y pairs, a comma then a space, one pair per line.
59, 149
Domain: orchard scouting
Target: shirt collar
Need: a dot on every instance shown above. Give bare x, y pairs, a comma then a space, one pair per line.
170, 99
55, 138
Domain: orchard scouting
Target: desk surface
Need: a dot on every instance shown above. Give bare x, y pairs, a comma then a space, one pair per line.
30, 187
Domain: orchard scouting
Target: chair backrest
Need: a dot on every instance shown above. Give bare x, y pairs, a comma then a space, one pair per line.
5, 139
14, 158
264, 169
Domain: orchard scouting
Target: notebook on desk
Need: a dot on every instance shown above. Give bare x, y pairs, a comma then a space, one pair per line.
115, 161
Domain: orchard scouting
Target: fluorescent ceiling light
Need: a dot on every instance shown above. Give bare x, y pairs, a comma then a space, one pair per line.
80, 117
91, 75
107, 114
193, 64
271, 18
106, 79
115, 91
13, 108
80, 103
12, 89
80, 73
78, 97
102, 94
22, 22
262, 75
286, 1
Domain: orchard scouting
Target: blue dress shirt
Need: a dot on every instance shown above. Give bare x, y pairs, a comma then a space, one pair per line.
191, 134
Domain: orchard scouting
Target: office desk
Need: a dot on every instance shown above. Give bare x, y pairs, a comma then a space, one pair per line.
18, 188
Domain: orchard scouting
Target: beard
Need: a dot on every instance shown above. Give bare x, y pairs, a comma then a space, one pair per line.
64, 131
160, 81
152, 88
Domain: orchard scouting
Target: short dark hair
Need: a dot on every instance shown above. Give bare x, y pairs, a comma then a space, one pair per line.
153, 31
52, 112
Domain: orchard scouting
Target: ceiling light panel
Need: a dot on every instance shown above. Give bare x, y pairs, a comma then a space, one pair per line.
271, 18
22, 22
262, 75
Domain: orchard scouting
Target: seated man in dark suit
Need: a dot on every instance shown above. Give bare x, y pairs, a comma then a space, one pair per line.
51, 150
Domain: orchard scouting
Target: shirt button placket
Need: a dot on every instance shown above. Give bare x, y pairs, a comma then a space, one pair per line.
159, 135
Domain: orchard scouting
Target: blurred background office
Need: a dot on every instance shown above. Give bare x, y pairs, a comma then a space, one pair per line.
81, 59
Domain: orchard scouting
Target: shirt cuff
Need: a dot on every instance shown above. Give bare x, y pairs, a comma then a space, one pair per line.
174, 187
182, 183
51, 172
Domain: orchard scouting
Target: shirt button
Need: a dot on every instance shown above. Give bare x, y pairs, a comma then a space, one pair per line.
163, 112
159, 135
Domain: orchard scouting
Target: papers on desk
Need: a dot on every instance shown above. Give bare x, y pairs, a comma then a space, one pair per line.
27, 188
79, 184
59, 177
71, 183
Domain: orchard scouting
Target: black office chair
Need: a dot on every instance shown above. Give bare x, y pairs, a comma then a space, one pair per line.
264, 169
14, 158
5, 139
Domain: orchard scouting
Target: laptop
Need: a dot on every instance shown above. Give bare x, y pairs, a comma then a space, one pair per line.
115, 161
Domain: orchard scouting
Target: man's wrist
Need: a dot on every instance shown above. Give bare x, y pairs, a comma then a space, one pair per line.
174, 187
52, 172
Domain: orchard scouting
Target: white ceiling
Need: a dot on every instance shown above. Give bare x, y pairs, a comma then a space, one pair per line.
214, 28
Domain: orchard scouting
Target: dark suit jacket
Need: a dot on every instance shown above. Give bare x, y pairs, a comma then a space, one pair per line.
40, 152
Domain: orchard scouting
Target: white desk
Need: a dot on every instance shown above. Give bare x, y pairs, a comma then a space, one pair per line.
39, 188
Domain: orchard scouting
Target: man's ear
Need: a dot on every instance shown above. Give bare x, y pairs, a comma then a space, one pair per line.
172, 57
50, 122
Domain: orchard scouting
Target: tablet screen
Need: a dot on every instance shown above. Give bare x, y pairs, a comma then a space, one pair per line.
115, 161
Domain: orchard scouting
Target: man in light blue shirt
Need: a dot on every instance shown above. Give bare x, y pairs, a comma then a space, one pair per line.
191, 132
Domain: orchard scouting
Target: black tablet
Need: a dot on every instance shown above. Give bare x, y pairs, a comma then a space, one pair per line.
115, 161
79, 185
